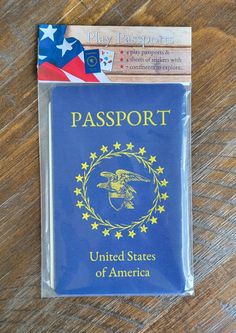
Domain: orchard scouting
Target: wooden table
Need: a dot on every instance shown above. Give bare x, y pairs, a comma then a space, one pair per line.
213, 308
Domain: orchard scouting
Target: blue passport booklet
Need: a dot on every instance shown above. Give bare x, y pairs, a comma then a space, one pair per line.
120, 189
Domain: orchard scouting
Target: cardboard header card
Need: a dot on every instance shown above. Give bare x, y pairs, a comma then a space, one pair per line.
114, 54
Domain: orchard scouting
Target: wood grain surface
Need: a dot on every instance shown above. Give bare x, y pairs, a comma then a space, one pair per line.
213, 308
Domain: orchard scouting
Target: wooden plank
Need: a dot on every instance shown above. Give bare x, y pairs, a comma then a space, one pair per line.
212, 309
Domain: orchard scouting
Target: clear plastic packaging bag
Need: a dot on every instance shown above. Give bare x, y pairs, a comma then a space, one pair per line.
115, 161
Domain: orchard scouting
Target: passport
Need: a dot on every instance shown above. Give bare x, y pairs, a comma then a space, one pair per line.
120, 179
92, 61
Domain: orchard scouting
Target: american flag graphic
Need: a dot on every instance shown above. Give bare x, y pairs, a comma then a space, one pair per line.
61, 58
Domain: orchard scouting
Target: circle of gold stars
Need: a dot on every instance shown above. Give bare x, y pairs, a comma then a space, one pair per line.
104, 225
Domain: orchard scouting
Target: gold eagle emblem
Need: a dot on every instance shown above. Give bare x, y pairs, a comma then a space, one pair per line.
120, 193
